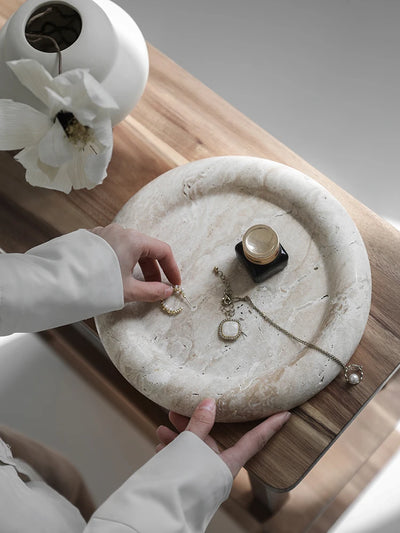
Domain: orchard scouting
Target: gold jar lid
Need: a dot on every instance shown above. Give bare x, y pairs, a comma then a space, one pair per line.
260, 244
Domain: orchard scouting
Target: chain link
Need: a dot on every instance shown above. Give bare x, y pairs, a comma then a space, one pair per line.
248, 300
227, 303
228, 307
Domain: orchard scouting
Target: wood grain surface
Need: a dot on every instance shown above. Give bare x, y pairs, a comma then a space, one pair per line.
179, 120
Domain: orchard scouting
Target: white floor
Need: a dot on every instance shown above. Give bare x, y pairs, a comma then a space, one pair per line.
42, 397
376, 510
321, 76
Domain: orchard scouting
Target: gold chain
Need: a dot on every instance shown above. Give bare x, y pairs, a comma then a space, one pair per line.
353, 373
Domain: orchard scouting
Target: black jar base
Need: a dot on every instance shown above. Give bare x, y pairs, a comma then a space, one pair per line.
260, 273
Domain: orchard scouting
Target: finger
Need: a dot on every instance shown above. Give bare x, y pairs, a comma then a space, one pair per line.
145, 291
96, 229
203, 418
179, 421
165, 435
160, 447
150, 269
171, 269
253, 441
161, 251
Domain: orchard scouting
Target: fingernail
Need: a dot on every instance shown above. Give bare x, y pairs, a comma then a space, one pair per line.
208, 404
168, 290
284, 417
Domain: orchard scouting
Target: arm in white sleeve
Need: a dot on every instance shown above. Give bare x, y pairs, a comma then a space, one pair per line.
177, 491
67, 279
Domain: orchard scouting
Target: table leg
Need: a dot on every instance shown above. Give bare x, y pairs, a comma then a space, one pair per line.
265, 501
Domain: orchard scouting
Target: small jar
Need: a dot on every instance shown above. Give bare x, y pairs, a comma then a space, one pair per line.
261, 252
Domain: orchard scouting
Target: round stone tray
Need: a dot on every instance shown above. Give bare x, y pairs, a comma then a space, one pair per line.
202, 209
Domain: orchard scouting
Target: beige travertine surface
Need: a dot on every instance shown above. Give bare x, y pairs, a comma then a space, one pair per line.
202, 210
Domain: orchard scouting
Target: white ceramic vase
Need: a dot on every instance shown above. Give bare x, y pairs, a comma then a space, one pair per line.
110, 45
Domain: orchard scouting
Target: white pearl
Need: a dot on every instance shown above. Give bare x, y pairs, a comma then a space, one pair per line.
354, 379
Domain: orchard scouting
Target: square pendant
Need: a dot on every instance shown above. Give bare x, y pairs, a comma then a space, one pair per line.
229, 330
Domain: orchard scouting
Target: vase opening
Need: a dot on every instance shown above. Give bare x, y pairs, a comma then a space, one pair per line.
53, 27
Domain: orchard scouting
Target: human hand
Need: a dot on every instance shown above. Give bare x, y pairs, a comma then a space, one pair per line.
201, 423
132, 247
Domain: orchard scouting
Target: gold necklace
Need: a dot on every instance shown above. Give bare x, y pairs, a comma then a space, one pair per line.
230, 330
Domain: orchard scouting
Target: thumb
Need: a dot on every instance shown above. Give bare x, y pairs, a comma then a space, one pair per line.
145, 291
203, 418
253, 441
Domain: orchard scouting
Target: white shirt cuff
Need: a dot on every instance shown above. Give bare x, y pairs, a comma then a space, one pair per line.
179, 489
70, 278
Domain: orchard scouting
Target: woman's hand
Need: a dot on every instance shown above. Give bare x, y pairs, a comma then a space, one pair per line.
201, 423
132, 247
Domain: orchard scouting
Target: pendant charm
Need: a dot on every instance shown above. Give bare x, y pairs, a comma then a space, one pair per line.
353, 374
229, 330
178, 291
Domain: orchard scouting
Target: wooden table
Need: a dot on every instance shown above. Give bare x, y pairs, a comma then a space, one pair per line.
180, 120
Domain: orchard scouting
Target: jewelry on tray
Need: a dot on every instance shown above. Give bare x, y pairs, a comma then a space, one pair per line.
353, 373
229, 329
178, 290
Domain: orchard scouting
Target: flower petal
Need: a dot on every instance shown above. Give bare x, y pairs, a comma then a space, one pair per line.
101, 138
21, 125
79, 172
71, 80
33, 75
103, 132
96, 166
85, 116
78, 175
97, 93
38, 174
88, 87
56, 102
55, 149
73, 173
73, 99
28, 157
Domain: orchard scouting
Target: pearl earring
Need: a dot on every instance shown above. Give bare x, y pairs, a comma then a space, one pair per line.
172, 312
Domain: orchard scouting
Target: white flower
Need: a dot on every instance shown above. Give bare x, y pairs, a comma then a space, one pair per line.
68, 147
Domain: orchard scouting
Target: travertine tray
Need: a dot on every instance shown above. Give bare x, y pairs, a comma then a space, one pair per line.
202, 210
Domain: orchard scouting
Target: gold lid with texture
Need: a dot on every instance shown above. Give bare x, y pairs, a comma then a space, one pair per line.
260, 244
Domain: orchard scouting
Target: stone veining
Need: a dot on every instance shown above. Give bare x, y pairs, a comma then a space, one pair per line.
323, 295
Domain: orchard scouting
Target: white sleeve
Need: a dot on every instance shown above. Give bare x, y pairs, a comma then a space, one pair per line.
178, 490
67, 279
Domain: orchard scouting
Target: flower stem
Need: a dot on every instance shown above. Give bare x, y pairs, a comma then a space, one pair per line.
36, 37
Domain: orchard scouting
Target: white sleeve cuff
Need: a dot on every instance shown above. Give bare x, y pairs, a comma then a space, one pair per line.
70, 278
179, 489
